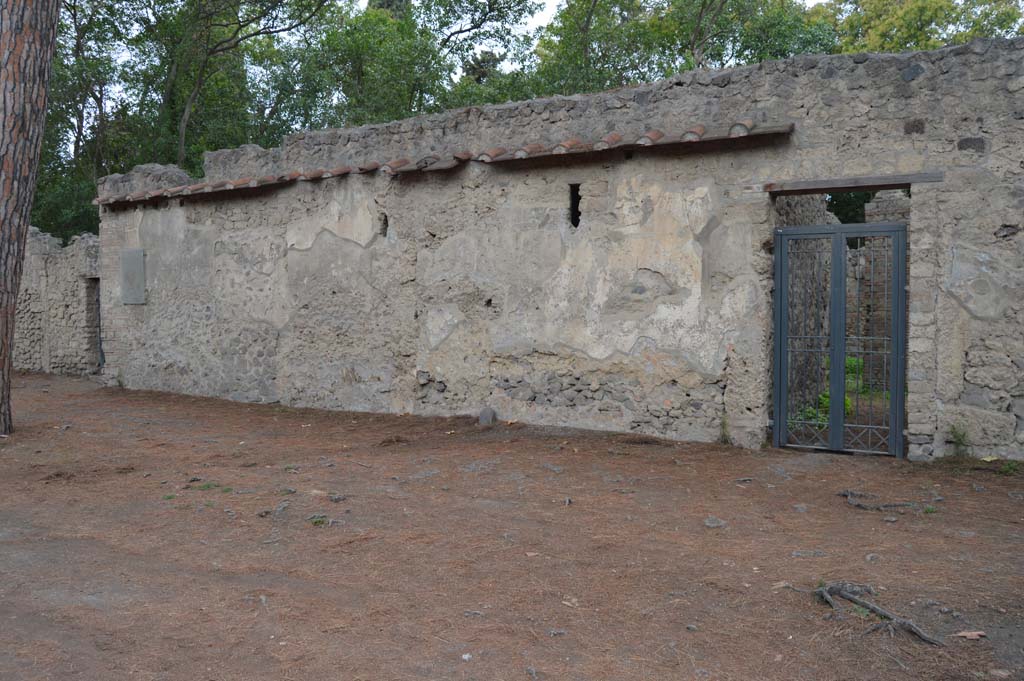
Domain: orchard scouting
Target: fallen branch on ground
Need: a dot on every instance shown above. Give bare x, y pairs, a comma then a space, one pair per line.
853, 497
855, 593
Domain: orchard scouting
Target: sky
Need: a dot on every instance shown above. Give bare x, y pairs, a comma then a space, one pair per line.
543, 17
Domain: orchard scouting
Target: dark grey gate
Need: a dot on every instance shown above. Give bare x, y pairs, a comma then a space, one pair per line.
840, 329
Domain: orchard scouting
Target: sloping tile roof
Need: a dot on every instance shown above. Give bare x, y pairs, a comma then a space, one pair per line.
695, 136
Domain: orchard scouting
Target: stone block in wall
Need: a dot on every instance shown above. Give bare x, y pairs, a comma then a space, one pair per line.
147, 176
888, 206
248, 160
985, 428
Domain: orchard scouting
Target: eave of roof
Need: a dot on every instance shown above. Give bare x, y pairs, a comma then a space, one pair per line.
695, 137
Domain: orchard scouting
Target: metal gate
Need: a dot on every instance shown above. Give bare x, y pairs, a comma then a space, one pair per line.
840, 329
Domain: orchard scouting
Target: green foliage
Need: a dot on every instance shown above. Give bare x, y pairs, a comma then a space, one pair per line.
723, 431
958, 437
824, 403
812, 415
1009, 468
378, 85
779, 29
599, 44
595, 45
849, 206
899, 25
818, 414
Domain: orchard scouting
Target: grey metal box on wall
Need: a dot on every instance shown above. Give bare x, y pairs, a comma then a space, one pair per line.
133, 276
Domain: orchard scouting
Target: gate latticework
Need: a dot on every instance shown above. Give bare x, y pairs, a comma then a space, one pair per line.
840, 328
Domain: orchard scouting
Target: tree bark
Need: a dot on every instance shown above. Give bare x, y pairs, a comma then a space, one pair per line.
28, 33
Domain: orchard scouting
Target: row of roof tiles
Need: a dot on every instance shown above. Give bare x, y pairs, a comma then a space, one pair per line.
431, 163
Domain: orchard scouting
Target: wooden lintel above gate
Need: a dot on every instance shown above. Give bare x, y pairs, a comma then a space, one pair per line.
849, 184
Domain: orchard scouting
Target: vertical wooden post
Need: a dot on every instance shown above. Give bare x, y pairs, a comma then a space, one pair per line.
28, 34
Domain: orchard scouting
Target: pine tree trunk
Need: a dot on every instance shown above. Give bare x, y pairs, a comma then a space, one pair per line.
28, 33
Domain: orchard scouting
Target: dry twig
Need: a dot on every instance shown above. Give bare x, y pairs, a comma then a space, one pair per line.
853, 499
855, 593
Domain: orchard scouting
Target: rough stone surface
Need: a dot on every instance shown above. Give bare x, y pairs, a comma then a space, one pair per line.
437, 293
487, 417
57, 324
888, 206
148, 176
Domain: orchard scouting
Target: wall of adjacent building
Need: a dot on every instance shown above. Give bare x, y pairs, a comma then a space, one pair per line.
57, 319
445, 292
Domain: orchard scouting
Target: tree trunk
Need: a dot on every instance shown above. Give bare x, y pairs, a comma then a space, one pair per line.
28, 32
186, 113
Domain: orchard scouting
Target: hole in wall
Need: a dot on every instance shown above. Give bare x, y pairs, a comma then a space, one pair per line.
574, 205
382, 226
1007, 231
489, 302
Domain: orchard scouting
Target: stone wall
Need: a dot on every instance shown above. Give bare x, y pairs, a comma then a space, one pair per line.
443, 292
57, 320
966, 347
888, 206
473, 291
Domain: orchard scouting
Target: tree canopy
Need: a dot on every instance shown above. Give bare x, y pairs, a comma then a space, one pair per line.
141, 81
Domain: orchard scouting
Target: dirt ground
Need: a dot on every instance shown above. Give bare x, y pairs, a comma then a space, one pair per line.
155, 536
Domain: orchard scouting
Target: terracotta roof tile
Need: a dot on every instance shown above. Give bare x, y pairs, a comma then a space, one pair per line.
573, 144
609, 141
694, 134
741, 128
427, 161
174, 191
435, 162
449, 163
491, 154
529, 150
650, 137
392, 166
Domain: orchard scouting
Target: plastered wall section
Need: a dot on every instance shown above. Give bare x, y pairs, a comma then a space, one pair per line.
653, 315
57, 319
444, 294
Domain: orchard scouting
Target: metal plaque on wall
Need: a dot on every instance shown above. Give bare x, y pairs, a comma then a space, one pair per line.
133, 276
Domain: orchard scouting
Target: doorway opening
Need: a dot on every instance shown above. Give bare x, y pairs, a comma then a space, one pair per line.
840, 337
